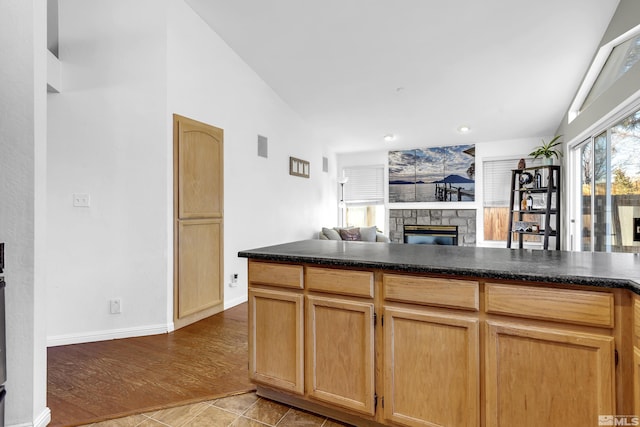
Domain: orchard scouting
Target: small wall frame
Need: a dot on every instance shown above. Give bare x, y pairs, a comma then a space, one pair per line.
298, 167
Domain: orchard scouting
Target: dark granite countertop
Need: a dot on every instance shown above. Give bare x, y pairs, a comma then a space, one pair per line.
612, 270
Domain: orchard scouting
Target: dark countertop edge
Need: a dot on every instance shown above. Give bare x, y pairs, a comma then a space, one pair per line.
601, 282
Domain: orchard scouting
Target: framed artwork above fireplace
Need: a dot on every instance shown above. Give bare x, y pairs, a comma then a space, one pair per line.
434, 174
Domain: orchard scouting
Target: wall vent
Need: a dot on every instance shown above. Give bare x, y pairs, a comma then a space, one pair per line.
263, 147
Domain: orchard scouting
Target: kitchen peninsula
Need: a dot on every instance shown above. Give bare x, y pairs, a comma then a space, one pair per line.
418, 335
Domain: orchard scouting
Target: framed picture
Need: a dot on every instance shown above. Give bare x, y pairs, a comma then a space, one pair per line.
298, 167
433, 174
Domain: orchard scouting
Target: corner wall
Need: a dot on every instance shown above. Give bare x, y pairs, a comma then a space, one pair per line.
22, 207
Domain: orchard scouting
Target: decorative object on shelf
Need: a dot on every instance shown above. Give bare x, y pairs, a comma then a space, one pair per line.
537, 180
299, 167
525, 179
522, 164
548, 150
529, 202
524, 226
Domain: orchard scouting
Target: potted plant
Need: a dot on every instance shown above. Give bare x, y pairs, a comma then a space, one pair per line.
548, 150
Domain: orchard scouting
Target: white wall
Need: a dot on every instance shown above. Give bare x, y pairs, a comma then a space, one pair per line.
515, 148
264, 205
126, 68
22, 206
107, 139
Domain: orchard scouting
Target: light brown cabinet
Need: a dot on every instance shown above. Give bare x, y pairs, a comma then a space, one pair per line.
431, 368
276, 349
443, 351
340, 352
276, 326
544, 376
431, 351
531, 366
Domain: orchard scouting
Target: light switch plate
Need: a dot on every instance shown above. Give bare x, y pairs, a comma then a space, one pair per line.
81, 200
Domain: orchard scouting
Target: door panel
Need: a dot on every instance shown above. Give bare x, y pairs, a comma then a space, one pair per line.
199, 177
199, 265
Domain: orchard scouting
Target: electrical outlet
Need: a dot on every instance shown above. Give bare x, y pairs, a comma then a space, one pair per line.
234, 280
81, 200
115, 306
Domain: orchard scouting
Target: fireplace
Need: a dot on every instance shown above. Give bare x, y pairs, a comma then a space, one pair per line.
431, 234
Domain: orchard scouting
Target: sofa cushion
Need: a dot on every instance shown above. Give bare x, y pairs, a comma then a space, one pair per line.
331, 233
368, 234
350, 234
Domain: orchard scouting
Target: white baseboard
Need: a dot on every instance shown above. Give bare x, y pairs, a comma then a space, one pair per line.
112, 334
41, 421
235, 301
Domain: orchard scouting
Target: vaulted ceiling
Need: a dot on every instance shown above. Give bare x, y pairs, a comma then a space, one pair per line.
357, 70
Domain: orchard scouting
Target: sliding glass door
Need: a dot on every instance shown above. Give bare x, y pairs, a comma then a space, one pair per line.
608, 196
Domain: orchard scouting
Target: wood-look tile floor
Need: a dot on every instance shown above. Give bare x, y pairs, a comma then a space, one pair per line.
103, 380
243, 410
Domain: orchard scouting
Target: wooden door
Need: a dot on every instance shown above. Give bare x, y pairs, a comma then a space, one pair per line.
198, 213
276, 334
431, 368
547, 377
340, 352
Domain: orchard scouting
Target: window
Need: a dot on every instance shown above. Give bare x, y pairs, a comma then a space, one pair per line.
622, 58
362, 201
608, 197
612, 61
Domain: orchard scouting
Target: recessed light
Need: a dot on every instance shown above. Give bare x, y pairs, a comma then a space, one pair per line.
389, 137
464, 129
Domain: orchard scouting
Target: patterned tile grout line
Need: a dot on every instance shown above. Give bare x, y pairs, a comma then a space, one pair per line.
283, 417
259, 399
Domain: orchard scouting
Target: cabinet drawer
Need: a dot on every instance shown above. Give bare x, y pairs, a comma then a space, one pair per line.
345, 282
286, 275
432, 291
562, 305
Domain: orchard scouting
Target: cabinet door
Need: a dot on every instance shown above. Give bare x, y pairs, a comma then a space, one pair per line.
547, 377
340, 352
636, 382
431, 368
276, 352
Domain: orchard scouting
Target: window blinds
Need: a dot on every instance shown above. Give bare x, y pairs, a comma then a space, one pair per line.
365, 185
497, 182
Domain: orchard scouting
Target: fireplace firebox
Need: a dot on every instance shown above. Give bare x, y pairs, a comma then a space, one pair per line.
431, 234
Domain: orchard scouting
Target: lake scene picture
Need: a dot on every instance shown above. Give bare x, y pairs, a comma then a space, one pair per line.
434, 174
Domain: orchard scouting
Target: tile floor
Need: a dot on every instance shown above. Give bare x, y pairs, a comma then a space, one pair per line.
243, 410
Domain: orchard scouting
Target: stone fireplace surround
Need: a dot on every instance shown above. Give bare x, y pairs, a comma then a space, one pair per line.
465, 219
